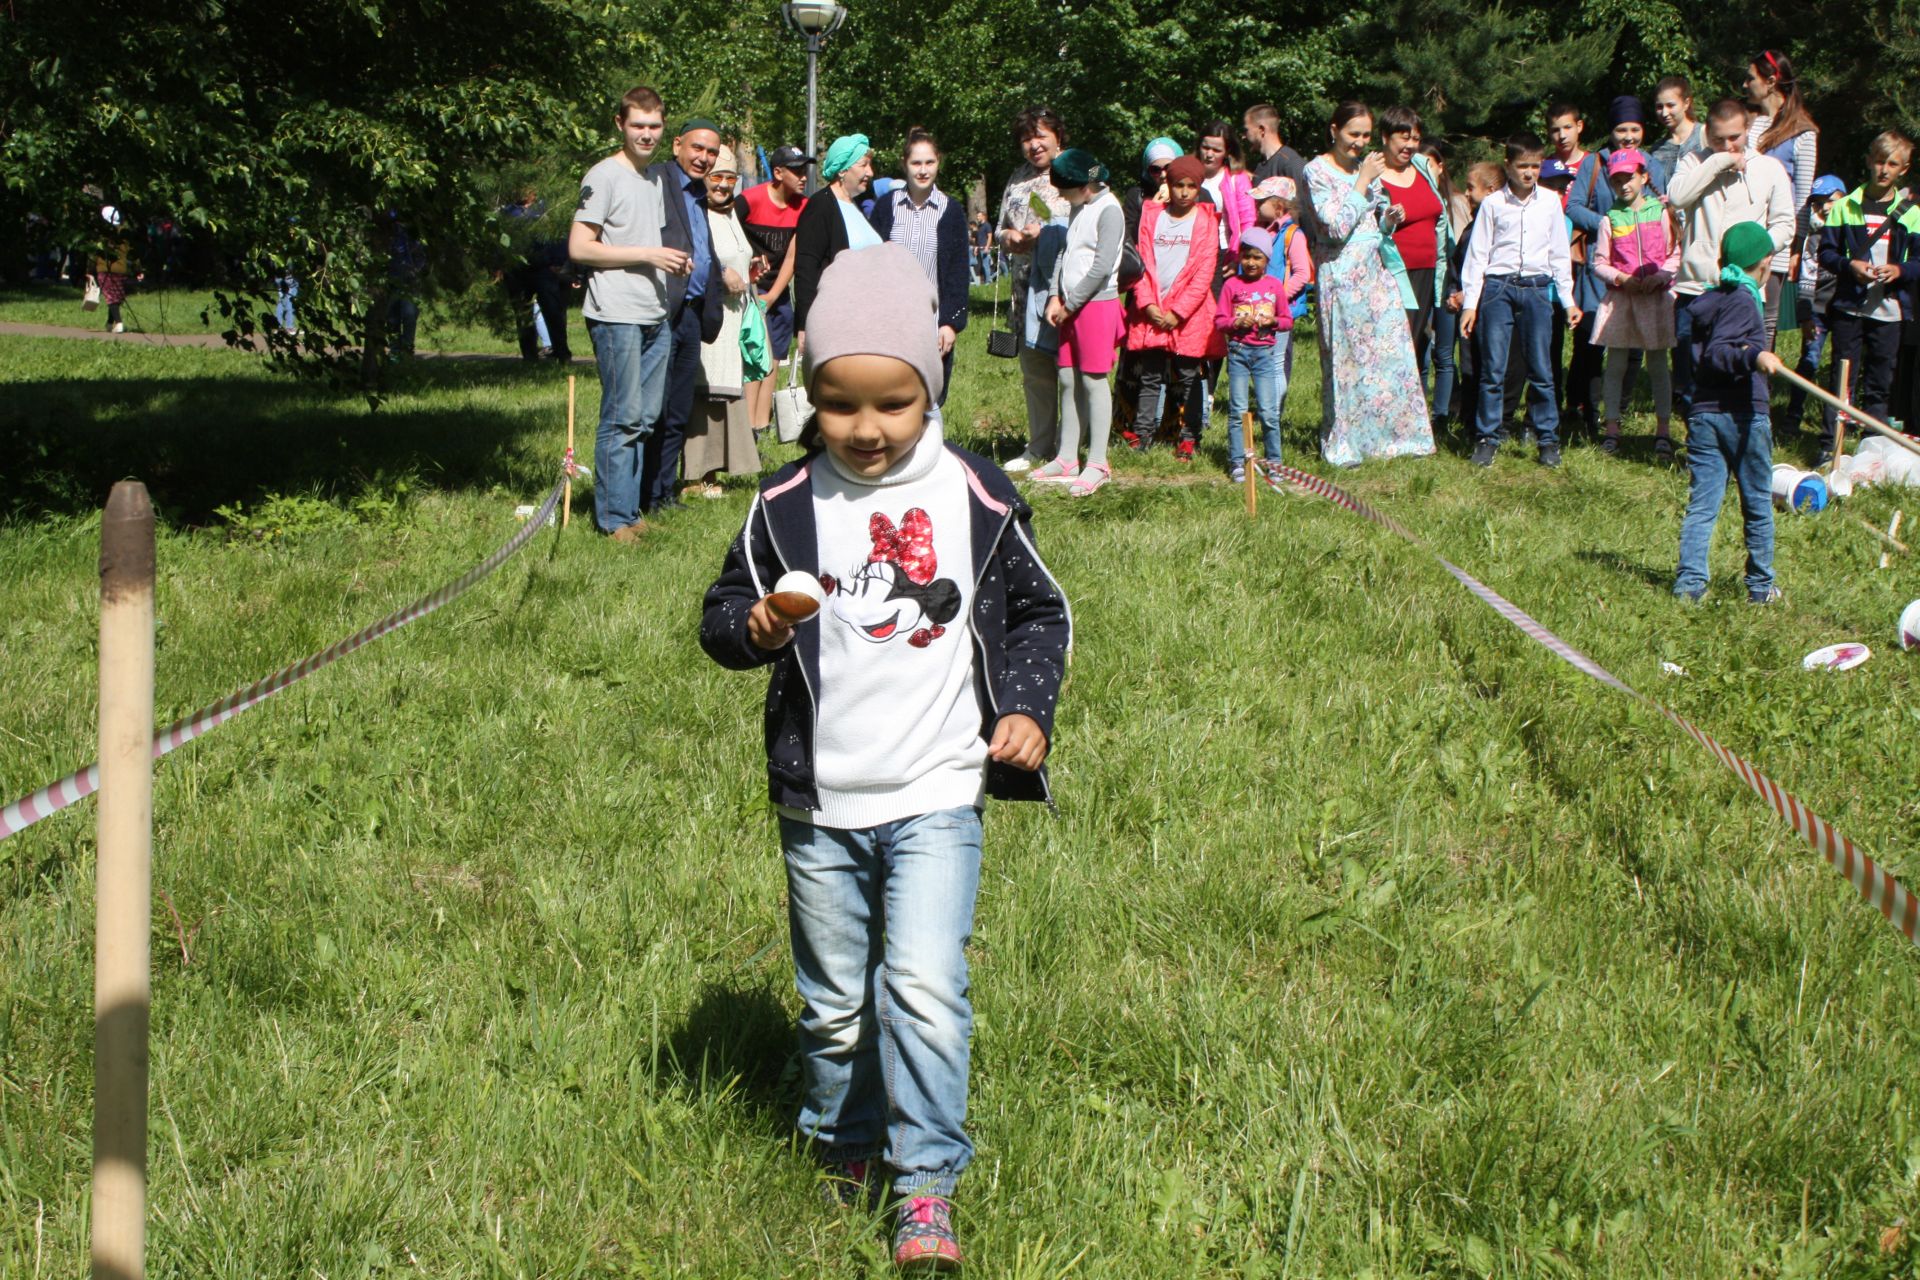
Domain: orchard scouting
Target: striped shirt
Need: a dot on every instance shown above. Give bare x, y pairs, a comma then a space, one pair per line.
917, 227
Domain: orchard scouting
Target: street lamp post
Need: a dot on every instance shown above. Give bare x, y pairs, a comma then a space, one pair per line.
816, 20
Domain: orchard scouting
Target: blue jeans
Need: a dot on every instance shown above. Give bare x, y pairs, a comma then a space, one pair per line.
1265, 369
1813, 345
289, 289
1510, 307
1719, 443
880, 920
1445, 359
660, 465
403, 321
632, 359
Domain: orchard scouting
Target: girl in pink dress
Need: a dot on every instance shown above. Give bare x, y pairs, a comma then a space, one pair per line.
1636, 257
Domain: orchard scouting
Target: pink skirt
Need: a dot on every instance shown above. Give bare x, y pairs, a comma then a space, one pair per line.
1641, 321
1090, 342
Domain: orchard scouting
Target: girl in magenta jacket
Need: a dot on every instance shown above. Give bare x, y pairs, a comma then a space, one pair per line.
1230, 186
1170, 325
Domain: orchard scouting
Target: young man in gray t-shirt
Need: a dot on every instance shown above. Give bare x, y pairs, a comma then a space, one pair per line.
616, 237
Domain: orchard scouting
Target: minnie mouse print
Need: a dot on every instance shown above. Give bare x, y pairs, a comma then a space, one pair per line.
896, 589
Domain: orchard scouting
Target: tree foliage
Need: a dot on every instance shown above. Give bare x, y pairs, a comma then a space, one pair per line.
290, 139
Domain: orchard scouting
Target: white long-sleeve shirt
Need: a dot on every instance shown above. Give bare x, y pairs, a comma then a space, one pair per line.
1515, 237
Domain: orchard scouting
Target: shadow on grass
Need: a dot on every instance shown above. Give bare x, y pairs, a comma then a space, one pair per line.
1614, 562
739, 1037
203, 442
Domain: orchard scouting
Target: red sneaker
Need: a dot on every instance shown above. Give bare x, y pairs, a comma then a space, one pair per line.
1183, 452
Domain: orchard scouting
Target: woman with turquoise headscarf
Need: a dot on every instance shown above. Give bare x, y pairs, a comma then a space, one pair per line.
832, 222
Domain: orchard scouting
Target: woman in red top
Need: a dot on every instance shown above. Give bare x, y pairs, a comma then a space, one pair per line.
1424, 233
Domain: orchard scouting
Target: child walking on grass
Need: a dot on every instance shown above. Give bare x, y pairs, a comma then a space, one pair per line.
1085, 309
1636, 257
926, 682
1729, 429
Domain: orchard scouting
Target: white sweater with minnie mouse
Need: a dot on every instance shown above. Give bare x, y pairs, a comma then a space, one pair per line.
898, 724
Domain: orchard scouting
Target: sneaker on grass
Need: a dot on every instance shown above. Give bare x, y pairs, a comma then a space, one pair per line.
923, 1239
1027, 461
851, 1182
1239, 473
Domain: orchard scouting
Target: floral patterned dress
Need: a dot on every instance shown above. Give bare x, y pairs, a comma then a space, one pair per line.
1370, 386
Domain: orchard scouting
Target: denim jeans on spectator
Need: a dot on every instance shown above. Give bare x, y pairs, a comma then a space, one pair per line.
403, 321
880, 919
288, 289
1719, 445
633, 378
1443, 356
1165, 379
660, 465
1261, 369
1813, 346
1516, 307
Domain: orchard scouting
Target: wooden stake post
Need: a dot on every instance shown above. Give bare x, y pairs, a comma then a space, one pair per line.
566, 488
122, 989
1840, 418
1253, 475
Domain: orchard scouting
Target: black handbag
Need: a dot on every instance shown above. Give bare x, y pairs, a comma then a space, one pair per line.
1004, 343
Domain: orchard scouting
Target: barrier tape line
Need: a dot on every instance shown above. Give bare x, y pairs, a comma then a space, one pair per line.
1870, 880
82, 783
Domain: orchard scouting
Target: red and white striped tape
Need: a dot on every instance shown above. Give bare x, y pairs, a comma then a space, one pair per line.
76, 786
1881, 891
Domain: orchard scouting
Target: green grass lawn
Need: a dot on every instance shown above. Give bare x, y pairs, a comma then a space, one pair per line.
1369, 938
454, 325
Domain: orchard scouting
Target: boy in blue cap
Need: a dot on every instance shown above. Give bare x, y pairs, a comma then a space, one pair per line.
1815, 293
1728, 431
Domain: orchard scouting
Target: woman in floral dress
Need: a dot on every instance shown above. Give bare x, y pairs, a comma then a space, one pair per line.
1370, 384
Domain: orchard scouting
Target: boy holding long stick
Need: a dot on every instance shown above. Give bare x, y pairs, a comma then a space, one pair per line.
1729, 431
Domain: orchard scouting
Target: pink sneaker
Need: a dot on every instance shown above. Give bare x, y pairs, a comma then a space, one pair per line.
923, 1238
1059, 471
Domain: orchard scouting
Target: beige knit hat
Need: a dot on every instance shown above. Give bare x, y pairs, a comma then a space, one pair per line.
876, 302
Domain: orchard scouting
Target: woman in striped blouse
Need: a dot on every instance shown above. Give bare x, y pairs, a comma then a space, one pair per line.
1784, 130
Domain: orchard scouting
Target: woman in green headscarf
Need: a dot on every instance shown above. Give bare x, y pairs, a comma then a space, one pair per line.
831, 222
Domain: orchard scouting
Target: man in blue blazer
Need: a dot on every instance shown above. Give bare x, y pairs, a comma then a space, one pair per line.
696, 303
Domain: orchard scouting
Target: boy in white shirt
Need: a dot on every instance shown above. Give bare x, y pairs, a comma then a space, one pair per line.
1519, 254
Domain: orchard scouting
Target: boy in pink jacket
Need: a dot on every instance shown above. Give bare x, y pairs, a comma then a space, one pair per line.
1170, 327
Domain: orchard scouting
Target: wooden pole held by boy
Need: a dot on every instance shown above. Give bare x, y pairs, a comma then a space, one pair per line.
1866, 420
1253, 482
123, 894
566, 488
